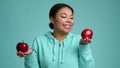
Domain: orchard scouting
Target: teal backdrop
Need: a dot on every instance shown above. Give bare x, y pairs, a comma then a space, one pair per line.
26, 19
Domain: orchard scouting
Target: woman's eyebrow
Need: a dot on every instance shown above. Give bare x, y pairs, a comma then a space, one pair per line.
66, 14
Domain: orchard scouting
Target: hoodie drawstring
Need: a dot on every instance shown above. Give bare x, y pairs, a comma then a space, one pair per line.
61, 56
53, 58
53, 50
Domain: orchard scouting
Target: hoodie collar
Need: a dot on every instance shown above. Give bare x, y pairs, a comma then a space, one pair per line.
50, 36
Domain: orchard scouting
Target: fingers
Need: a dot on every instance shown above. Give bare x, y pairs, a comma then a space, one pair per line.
21, 54
24, 54
85, 41
88, 40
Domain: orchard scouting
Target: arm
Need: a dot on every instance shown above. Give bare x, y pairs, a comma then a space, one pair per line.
85, 55
31, 60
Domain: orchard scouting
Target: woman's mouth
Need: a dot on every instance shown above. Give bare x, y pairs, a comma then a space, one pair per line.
67, 26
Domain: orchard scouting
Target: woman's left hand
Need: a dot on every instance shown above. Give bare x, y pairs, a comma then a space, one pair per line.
85, 41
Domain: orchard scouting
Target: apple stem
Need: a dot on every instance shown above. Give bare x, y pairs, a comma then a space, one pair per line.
23, 40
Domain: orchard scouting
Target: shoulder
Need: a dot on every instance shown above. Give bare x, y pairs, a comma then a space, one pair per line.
40, 38
44, 36
76, 36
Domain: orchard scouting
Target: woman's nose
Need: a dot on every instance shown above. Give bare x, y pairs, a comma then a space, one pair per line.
69, 20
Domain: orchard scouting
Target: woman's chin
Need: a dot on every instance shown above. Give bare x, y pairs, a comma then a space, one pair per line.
67, 31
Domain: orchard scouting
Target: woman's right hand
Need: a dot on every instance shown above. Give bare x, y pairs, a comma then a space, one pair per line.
24, 54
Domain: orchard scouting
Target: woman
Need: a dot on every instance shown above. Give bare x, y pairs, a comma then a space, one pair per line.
59, 48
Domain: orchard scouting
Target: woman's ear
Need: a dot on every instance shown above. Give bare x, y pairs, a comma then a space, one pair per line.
52, 20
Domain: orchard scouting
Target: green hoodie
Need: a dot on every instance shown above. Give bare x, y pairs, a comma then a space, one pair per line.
49, 53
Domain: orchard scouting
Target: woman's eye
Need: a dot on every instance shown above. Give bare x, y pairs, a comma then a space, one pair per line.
71, 18
63, 16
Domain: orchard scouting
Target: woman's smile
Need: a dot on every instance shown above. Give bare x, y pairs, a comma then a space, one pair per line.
67, 26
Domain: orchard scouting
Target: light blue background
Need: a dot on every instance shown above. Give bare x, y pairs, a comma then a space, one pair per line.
26, 19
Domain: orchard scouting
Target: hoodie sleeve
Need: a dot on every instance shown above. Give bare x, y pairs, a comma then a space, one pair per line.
85, 57
31, 61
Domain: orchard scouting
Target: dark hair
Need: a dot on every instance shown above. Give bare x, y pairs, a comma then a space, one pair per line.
55, 9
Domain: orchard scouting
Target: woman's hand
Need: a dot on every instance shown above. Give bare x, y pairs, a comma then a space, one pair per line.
24, 54
85, 41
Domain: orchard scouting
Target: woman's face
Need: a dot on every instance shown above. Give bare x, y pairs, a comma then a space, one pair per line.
63, 20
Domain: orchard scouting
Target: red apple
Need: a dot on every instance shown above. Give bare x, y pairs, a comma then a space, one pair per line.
22, 46
87, 33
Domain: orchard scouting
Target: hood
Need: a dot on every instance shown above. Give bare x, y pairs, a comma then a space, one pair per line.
50, 36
